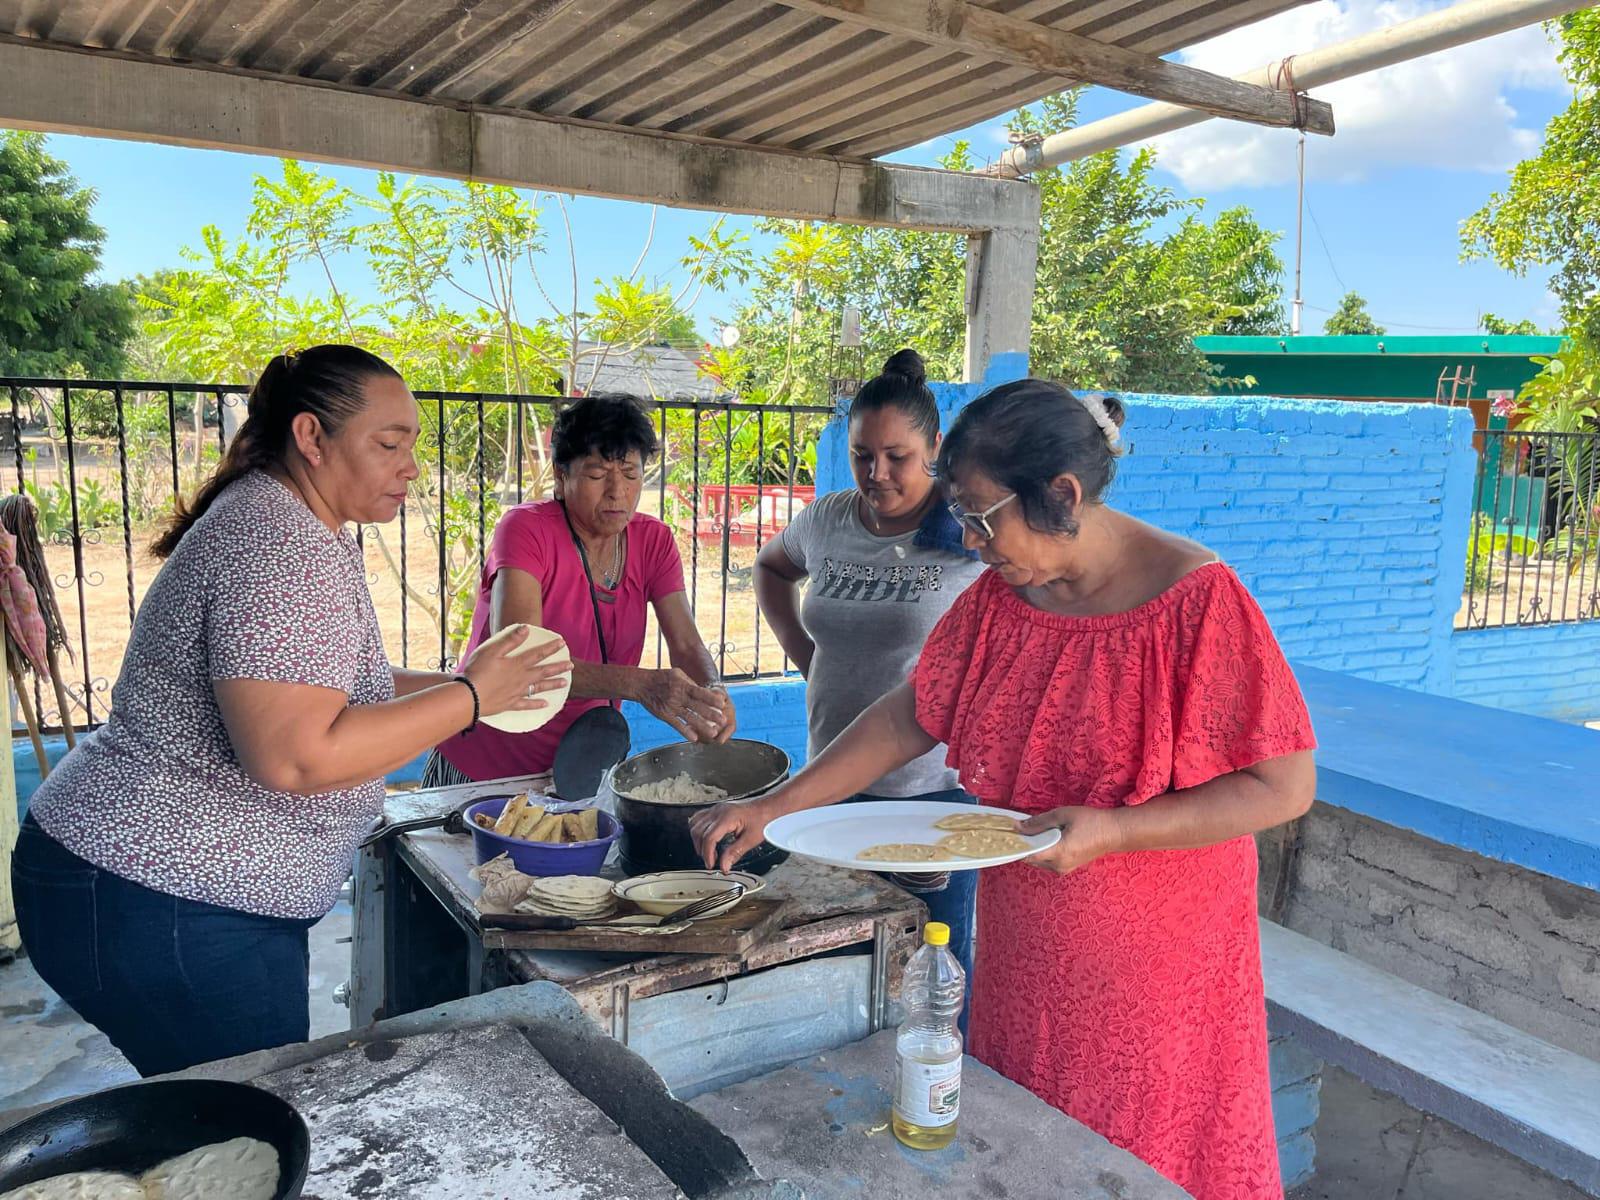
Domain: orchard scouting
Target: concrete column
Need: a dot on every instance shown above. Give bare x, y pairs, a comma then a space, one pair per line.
10, 942
1001, 265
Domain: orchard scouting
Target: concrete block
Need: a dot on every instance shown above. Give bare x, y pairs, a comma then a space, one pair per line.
1381, 950
1290, 1063
1297, 1160
1295, 1108
1474, 938
1559, 1023
1580, 981
1404, 854
1555, 907
1325, 830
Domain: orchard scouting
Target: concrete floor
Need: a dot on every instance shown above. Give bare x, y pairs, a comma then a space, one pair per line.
1370, 1146
48, 1053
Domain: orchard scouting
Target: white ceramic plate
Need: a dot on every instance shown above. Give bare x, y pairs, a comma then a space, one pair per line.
836, 834
666, 891
518, 720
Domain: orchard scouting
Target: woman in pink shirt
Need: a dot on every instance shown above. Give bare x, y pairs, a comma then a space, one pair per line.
587, 564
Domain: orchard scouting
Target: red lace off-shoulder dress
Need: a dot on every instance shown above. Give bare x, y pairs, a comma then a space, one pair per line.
1128, 993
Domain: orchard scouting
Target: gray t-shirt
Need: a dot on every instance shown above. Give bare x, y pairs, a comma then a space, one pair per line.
870, 604
258, 588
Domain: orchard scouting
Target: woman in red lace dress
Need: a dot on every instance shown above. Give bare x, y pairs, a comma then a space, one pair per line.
1118, 683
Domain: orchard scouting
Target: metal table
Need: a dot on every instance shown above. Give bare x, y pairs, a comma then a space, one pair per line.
827, 978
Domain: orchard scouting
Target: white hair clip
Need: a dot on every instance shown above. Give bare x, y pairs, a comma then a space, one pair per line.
1096, 404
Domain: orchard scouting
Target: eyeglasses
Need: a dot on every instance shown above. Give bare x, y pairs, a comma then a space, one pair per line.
978, 522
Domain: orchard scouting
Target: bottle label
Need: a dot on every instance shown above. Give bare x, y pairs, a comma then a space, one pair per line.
929, 1094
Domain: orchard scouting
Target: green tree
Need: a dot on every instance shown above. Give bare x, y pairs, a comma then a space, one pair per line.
53, 319
464, 301
1500, 327
1352, 318
1549, 215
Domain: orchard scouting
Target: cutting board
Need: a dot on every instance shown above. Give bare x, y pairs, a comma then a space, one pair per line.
750, 923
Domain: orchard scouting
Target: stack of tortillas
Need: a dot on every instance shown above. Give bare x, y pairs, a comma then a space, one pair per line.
581, 897
526, 721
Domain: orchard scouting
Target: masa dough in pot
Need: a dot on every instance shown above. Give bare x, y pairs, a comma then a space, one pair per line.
680, 789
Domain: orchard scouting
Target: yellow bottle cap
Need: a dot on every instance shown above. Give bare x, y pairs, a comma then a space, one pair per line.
936, 933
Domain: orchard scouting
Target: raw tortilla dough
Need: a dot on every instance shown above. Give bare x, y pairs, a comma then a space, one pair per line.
962, 821
900, 852
81, 1185
680, 789
240, 1169
518, 720
985, 843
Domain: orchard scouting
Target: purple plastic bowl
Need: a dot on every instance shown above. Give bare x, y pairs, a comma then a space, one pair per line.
540, 858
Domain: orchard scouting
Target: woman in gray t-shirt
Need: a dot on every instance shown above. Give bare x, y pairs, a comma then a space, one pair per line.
884, 562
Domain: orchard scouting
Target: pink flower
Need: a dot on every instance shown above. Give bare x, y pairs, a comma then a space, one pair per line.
1503, 407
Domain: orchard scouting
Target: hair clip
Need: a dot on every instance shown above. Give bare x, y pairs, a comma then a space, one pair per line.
1096, 405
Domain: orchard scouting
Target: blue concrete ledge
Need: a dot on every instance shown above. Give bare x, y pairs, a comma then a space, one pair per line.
1514, 788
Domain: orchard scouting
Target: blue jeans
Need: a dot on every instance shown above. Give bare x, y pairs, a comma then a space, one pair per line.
171, 982
954, 902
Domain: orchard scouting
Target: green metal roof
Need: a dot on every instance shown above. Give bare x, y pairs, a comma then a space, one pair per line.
1454, 345
1377, 368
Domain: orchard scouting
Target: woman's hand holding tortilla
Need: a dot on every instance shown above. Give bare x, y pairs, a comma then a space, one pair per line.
506, 681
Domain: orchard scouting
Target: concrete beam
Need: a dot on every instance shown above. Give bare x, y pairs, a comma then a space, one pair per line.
101, 94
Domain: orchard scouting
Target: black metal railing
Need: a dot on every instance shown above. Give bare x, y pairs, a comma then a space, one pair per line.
1533, 548
104, 461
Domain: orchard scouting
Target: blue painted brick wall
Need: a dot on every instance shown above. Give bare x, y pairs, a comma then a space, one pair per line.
1345, 520
1545, 670
772, 711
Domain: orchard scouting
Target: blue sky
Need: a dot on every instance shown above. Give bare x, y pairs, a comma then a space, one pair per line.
1420, 147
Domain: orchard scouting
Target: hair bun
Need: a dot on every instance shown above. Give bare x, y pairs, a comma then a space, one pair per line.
907, 364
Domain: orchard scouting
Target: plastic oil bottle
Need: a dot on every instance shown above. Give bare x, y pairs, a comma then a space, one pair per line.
927, 1096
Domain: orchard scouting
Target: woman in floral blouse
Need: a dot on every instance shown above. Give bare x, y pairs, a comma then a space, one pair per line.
169, 868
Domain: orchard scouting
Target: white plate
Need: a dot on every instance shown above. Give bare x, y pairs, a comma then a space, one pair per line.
665, 892
836, 834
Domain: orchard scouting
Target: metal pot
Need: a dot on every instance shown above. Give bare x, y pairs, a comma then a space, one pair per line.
655, 837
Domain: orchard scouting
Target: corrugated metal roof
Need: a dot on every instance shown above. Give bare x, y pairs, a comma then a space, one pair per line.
654, 372
744, 71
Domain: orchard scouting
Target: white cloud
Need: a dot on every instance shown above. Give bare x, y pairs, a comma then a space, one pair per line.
1448, 110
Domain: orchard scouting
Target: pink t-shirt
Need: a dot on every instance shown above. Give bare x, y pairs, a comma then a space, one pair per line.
534, 538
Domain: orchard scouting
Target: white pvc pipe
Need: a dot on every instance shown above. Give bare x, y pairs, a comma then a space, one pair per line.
1469, 21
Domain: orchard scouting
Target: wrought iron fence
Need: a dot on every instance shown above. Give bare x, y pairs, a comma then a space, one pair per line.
104, 460
1533, 551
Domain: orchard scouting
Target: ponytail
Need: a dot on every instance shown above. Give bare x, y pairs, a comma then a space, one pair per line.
329, 382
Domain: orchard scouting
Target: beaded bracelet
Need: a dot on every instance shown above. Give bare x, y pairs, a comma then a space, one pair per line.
475, 710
